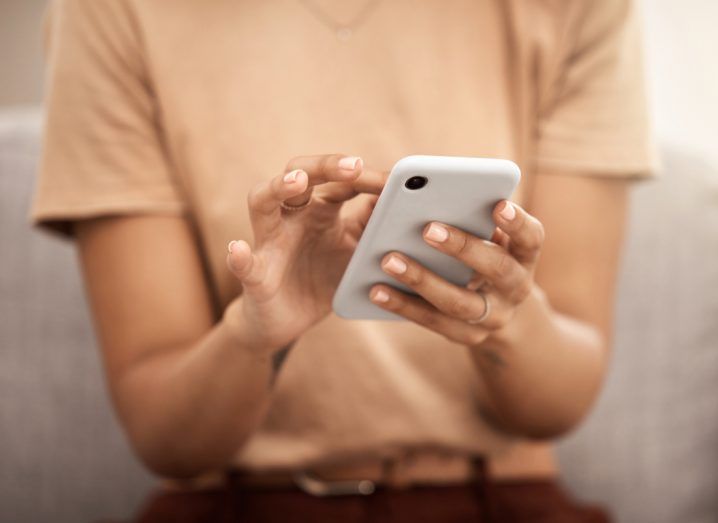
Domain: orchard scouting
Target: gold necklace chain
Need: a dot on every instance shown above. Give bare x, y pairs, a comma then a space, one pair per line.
345, 31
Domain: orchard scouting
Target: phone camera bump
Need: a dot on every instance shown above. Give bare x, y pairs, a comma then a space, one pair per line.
415, 182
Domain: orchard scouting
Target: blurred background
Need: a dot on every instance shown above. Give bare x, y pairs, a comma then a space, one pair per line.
650, 448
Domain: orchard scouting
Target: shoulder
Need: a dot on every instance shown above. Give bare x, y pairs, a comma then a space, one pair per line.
590, 20
98, 11
80, 33
563, 17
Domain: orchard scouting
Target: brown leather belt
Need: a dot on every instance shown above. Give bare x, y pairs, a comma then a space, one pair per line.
425, 468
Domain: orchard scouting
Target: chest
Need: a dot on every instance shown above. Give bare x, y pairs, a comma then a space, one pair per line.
244, 86
257, 81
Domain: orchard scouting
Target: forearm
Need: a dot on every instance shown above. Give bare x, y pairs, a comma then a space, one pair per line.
189, 391
188, 409
542, 371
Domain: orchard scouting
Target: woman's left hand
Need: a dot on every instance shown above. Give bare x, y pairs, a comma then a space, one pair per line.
504, 278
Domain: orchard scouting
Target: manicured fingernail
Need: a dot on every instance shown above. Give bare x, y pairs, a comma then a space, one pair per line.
508, 212
291, 177
230, 246
437, 233
350, 163
380, 296
395, 265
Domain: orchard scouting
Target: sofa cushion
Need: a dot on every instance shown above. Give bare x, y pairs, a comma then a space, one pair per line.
63, 456
650, 448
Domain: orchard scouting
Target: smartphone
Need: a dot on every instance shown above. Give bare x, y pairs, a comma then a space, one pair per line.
458, 191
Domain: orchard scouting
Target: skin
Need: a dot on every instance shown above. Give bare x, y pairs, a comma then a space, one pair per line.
190, 389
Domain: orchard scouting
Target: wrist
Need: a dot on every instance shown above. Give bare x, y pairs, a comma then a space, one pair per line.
246, 335
528, 316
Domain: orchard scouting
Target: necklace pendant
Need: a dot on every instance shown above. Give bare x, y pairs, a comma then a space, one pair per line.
344, 34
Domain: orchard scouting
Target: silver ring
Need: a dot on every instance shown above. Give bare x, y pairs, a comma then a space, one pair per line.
485, 314
293, 208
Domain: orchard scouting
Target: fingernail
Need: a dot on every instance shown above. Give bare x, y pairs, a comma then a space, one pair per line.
508, 212
350, 163
437, 233
395, 265
380, 296
230, 245
291, 177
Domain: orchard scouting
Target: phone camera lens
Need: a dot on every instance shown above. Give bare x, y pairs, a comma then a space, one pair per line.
415, 182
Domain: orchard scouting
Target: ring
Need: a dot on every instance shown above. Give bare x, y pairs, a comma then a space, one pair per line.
293, 208
485, 314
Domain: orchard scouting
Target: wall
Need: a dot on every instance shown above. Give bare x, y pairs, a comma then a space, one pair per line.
21, 51
681, 41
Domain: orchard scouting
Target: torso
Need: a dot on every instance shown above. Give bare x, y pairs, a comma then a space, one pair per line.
243, 86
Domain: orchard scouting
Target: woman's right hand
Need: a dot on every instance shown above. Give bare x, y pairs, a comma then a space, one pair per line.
290, 271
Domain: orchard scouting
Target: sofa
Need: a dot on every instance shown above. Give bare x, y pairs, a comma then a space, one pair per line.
648, 450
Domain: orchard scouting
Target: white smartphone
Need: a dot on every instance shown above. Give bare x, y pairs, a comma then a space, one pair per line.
454, 190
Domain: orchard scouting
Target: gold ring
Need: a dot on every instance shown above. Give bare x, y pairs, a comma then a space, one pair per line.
294, 208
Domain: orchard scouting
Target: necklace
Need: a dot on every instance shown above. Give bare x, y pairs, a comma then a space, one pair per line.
343, 31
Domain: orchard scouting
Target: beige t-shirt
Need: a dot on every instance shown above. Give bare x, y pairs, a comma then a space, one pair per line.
180, 107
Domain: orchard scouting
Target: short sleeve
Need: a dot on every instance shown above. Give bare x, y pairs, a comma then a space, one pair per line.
593, 118
103, 150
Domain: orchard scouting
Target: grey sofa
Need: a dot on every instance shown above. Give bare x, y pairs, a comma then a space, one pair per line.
649, 450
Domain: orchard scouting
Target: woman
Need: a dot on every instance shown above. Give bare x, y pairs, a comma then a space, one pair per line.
176, 129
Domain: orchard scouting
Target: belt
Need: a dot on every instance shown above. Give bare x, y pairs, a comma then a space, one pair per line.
363, 478
410, 468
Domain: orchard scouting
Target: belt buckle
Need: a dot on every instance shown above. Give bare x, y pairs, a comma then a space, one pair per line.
314, 486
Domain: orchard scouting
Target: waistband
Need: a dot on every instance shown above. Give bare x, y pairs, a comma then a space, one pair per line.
362, 476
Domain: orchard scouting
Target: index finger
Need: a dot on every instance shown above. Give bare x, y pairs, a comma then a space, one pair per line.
327, 167
322, 169
369, 181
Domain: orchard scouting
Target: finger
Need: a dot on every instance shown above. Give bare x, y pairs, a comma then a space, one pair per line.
500, 238
244, 264
369, 208
525, 232
265, 198
494, 262
322, 169
419, 311
358, 216
369, 181
477, 283
452, 300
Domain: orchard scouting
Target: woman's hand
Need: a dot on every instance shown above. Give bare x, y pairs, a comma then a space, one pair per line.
504, 270
302, 244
